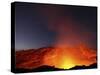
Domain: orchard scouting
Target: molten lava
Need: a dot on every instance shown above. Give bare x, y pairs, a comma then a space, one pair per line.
59, 57
66, 58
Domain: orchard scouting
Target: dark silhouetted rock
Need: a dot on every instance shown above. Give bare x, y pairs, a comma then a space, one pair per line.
85, 67
39, 69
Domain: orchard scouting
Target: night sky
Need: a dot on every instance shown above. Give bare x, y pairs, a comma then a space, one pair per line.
38, 25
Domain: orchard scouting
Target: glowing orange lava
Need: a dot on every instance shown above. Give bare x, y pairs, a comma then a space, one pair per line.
59, 57
66, 58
